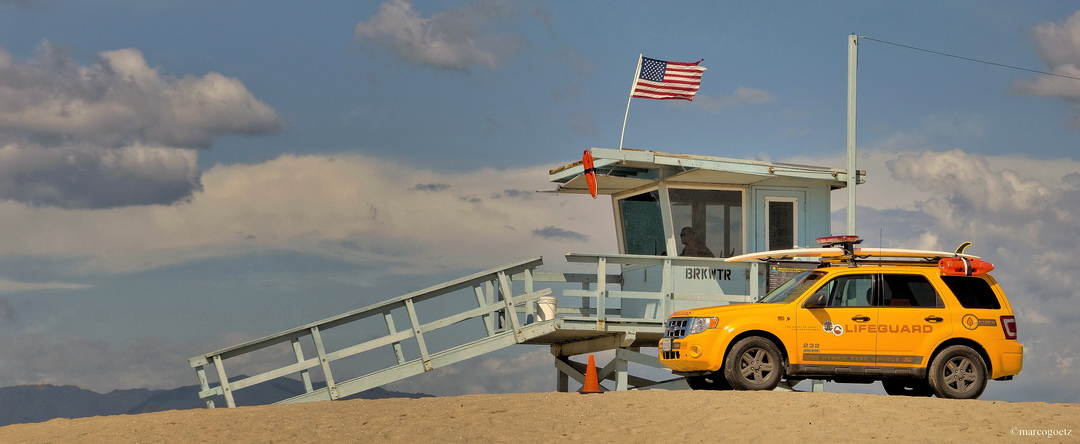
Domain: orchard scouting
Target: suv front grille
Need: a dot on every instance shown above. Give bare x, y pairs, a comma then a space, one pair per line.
676, 328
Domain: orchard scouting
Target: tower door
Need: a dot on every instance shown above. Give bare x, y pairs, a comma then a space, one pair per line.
781, 219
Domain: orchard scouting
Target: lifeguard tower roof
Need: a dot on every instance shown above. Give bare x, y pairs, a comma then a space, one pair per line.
627, 169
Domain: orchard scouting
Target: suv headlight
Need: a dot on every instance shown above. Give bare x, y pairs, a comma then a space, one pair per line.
698, 325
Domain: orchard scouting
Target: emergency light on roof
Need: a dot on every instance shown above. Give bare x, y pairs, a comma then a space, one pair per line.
846, 242
963, 266
834, 240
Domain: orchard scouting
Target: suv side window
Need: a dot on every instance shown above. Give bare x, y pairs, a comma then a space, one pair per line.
972, 292
849, 291
908, 290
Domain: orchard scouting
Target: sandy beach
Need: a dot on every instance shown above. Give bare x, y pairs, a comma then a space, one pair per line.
634, 416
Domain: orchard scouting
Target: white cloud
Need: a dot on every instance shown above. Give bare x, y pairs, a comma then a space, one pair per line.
1059, 47
884, 191
455, 39
350, 207
117, 132
968, 182
120, 100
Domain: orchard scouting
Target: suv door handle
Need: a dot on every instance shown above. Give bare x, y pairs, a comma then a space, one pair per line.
933, 318
860, 318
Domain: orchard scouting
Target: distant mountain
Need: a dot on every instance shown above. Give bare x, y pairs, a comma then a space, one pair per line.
37, 403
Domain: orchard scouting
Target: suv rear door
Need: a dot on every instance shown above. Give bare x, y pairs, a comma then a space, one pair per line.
912, 319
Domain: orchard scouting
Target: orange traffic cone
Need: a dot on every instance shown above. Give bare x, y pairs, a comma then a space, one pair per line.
592, 384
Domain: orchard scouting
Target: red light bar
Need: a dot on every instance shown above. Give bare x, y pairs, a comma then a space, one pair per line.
833, 240
963, 266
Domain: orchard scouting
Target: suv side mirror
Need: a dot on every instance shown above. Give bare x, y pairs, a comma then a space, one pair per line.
816, 300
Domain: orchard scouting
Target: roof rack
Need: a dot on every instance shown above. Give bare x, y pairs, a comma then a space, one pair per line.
842, 249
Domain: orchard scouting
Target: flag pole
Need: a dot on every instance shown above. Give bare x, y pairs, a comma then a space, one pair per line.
637, 72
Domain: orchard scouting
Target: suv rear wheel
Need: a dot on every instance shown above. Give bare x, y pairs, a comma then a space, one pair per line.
958, 372
754, 363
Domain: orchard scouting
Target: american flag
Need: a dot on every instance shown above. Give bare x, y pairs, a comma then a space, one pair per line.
667, 80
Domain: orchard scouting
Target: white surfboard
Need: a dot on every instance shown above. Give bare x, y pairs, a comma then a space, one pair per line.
903, 252
834, 252
787, 254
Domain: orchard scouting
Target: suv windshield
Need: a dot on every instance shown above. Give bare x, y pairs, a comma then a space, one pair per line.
793, 288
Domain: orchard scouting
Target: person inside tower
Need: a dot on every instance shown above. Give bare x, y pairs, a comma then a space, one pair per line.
693, 245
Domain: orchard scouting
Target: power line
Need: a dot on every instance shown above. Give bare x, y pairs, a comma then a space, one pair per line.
971, 59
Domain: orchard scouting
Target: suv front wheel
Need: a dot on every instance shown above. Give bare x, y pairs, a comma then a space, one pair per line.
754, 363
958, 372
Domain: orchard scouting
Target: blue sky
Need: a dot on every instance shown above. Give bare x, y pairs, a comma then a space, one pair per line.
176, 177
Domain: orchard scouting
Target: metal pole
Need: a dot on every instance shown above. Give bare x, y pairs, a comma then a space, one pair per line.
852, 177
637, 72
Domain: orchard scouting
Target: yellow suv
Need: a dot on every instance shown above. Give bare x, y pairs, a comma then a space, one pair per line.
921, 322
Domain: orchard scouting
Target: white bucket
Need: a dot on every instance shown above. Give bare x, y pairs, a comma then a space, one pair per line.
546, 307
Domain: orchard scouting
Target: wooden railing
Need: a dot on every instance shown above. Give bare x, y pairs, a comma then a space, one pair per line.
497, 308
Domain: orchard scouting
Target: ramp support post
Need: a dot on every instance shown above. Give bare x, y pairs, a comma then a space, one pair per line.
617, 370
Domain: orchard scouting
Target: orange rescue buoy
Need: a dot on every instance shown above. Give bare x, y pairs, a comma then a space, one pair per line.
964, 266
590, 172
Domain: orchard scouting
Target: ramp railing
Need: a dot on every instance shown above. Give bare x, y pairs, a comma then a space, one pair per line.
501, 317
647, 303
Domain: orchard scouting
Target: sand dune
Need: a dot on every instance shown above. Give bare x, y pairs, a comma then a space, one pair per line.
634, 416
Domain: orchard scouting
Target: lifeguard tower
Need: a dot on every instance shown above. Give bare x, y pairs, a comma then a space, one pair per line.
677, 216
663, 203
